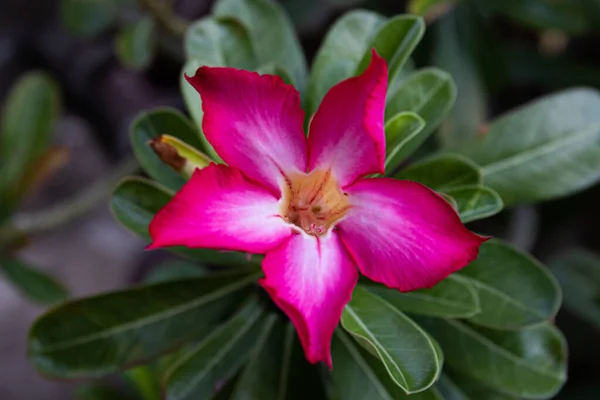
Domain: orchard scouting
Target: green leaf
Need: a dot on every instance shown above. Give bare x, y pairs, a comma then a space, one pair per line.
359, 375
443, 172
527, 363
275, 69
544, 150
223, 42
514, 289
271, 33
135, 44
406, 350
475, 202
150, 125
395, 41
342, 50
97, 392
454, 297
99, 335
430, 93
28, 118
134, 203
216, 358
193, 103
578, 272
400, 131
143, 380
462, 387
175, 270
88, 17
469, 113
39, 287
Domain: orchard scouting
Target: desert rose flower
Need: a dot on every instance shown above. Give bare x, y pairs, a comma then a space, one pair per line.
306, 202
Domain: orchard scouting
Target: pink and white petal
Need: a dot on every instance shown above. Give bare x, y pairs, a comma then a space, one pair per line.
311, 279
346, 133
404, 235
254, 122
220, 208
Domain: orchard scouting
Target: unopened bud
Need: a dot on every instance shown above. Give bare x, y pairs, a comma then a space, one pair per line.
179, 155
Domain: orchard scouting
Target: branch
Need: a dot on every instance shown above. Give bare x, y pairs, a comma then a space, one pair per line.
163, 14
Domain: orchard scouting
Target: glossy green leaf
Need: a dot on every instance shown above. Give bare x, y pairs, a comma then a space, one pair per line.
175, 270
88, 17
217, 358
578, 272
99, 335
135, 43
454, 297
144, 381
514, 289
150, 125
400, 131
469, 113
395, 41
134, 203
342, 50
462, 387
544, 150
26, 124
443, 172
223, 42
527, 363
37, 286
405, 349
475, 202
430, 93
275, 69
271, 33
359, 375
193, 103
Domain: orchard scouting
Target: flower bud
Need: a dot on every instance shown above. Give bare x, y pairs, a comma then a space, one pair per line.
179, 155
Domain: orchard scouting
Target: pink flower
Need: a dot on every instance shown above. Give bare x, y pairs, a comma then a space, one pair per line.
306, 203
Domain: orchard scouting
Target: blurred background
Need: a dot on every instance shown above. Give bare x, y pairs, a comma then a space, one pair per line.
111, 60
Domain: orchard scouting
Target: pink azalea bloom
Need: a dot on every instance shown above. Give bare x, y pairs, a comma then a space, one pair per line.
306, 203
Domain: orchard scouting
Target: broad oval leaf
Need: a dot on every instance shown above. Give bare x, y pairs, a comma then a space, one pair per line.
217, 358
578, 272
462, 387
407, 352
150, 125
514, 289
88, 17
527, 363
543, 150
271, 33
99, 335
395, 41
175, 270
430, 93
475, 202
134, 203
400, 131
359, 375
443, 172
135, 44
26, 124
342, 50
37, 286
454, 297
223, 42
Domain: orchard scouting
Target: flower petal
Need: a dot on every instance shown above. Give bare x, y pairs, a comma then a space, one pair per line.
346, 133
311, 279
404, 235
220, 208
253, 121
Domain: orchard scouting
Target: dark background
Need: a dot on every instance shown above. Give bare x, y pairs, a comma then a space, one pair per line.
101, 97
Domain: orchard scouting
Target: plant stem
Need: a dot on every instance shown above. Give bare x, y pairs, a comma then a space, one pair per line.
163, 14
79, 204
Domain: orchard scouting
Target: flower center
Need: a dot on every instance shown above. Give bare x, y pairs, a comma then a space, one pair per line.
313, 202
